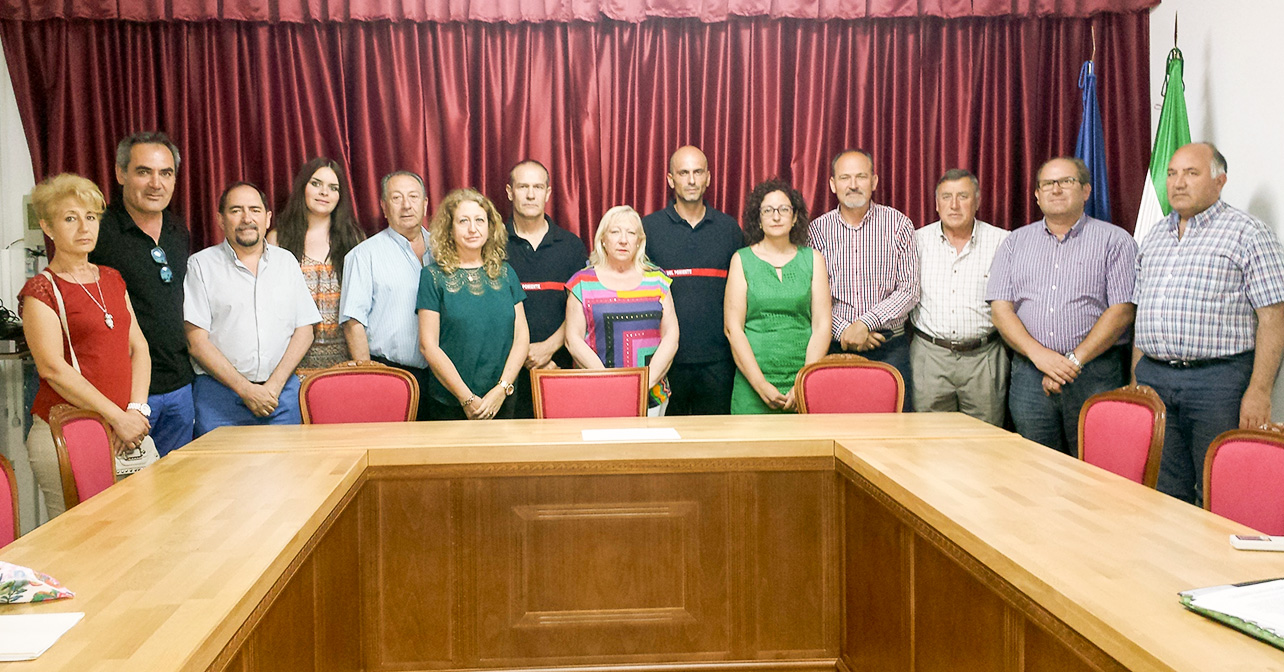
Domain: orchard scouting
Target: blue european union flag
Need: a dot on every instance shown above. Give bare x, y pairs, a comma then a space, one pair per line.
1091, 146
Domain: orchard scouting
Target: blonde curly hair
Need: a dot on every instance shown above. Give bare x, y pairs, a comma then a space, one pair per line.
441, 233
60, 187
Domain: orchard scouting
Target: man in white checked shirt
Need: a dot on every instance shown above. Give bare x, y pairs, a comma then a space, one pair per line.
958, 362
1210, 317
1060, 292
873, 266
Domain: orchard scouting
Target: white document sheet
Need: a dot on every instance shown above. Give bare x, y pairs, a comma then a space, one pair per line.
26, 636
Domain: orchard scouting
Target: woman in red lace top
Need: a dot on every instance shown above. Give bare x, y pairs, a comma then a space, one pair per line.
111, 368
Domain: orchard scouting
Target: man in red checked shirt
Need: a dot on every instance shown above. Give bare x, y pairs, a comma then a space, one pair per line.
873, 268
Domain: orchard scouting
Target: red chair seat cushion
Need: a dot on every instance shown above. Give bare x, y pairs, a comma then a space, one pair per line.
89, 451
850, 389
1248, 485
358, 397
1116, 437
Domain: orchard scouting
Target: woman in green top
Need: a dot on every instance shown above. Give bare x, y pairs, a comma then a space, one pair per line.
777, 303
472, 327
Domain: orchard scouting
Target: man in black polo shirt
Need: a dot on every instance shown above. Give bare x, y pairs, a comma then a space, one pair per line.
694, 244
545, 256
148, 244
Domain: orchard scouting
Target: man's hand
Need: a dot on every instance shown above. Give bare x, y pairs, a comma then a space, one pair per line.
855, 337
259, 399
1055, 366
1050, 386
1254, 409
540, 354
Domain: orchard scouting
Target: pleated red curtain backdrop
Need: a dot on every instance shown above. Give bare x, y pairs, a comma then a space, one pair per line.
603, 104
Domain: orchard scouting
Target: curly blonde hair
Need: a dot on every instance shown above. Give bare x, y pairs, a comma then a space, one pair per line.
60, 187
441, 234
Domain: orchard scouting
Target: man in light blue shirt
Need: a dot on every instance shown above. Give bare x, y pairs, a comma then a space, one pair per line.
381, 281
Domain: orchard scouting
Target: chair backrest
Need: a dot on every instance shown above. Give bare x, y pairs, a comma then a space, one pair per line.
85, 458
849, 384
358, 392
1122, 431
8, 503
1243, 473
589, 393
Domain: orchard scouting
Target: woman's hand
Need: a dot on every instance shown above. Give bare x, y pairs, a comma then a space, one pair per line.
791, 402
772, 397
489, 405
130, 428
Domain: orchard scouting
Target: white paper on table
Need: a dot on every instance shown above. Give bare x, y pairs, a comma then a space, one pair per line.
1261, 604
631, 434
26, 636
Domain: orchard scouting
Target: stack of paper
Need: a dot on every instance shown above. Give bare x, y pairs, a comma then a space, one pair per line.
1255, 608
26, 636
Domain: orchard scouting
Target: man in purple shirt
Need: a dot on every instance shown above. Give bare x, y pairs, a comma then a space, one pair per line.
1060, 293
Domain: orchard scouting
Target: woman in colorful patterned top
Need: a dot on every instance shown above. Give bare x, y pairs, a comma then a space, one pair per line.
319, 227
96, 358
777, 306
472, 325
619, 312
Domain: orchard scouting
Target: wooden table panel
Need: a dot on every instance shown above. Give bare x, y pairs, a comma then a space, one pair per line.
168, 564
1102, 554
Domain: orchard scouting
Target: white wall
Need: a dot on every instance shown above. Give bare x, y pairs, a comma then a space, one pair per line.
1234, 95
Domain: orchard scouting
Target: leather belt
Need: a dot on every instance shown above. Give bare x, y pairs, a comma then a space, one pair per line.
958, 346
1191, 363
889, 334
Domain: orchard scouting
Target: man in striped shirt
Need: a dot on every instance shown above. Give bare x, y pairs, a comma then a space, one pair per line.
1060, 293
958, 362
872, 262
1210, 317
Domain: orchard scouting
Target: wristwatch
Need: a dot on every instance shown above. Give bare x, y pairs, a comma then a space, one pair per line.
508, 387
141, 408
1074, 359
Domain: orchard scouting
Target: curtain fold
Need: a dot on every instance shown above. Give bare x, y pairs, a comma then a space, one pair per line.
602, 104
519, 11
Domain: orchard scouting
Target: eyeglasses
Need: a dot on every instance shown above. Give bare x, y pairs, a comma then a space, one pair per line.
784, 210
158, 256
1064, 183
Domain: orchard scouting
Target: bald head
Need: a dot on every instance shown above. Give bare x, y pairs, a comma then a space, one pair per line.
1196, 175
688, 175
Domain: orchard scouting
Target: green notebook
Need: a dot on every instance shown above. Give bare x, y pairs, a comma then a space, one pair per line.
1255, 608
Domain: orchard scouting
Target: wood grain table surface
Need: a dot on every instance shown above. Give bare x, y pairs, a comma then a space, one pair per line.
1105, 555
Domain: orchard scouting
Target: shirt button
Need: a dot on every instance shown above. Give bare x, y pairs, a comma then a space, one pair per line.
1054, 286
1052, 310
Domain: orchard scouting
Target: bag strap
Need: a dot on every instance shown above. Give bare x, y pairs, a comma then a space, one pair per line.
62, 315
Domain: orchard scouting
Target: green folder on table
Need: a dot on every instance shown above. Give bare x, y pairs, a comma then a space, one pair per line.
1255, 608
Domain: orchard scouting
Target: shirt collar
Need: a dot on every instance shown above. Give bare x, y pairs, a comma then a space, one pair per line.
1074, 230
236, 261
1200, 220
672, 212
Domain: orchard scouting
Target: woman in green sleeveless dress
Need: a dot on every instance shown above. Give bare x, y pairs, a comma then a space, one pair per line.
777, 302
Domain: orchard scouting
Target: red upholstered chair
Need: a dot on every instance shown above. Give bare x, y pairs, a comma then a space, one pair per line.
589, 393
8, 503
1122, 431
358, 392
845, 383
1244, 477
85, 458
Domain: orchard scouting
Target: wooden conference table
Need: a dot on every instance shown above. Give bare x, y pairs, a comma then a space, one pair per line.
846, 543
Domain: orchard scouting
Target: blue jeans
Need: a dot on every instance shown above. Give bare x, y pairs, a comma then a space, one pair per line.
218, 406
894, 351
172, 418
1202, 403
1053, 420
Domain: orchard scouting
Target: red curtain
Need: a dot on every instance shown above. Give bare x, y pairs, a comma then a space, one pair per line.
516, 11
603, 104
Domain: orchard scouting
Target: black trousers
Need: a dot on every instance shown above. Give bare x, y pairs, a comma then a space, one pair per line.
701, 389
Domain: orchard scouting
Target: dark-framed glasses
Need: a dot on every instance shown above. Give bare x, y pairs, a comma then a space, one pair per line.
1064, 183
158, 256
784, 210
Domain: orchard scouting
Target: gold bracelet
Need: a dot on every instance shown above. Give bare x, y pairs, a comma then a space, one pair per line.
468, 402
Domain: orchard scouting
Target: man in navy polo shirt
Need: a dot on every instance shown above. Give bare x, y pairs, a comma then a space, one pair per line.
544, 256
694, 244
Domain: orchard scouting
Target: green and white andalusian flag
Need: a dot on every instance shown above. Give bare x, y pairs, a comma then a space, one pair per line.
1174, 131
